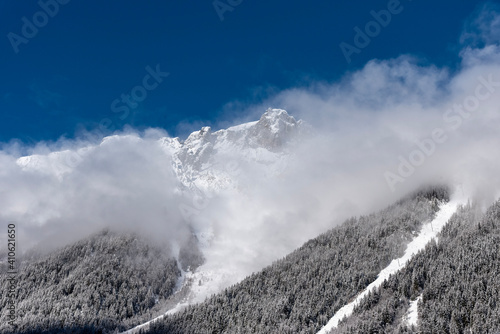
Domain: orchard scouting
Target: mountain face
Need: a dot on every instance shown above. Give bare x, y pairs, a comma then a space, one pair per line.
206, 159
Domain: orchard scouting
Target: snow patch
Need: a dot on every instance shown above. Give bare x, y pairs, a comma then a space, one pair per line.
242, 127
412, 315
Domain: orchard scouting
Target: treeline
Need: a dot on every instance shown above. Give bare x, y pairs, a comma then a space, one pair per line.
457, 278
105, 283
300, 293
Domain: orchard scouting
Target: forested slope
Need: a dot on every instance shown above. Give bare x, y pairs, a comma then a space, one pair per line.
106, 282
457, 278
299, 293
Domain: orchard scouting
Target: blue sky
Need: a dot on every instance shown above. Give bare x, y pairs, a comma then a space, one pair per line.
65, 77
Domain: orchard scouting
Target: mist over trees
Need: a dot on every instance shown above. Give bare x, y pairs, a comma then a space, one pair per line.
299, 293
102, 284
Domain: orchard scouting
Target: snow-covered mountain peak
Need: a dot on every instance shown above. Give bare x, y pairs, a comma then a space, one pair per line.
202, 157
203, 133
274, 129
277, 120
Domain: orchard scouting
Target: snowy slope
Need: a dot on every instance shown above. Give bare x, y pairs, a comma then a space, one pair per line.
411, 317
428, 232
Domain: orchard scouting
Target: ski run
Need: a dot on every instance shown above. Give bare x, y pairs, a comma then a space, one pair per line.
428, 232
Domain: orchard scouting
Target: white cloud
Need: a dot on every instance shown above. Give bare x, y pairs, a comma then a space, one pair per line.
482, 28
